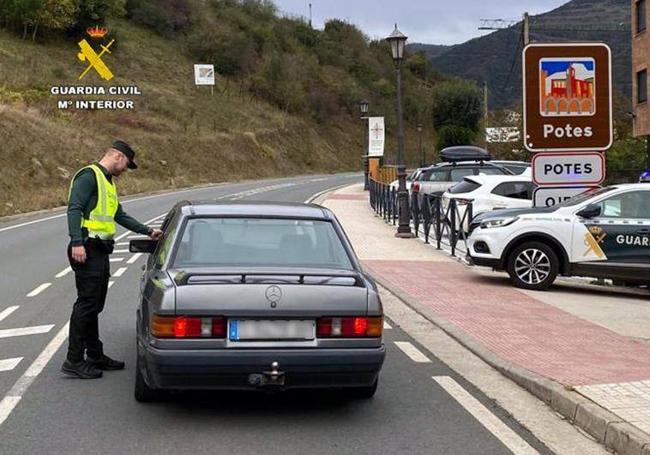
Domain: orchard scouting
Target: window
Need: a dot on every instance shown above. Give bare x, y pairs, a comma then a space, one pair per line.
640, 16
642, 86
516, 169
466, 186
457, 173
491, 170
634, 205
514, 190
261, 242
436, 175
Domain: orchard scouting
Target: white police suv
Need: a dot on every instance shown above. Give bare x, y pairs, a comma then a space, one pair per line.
603, 233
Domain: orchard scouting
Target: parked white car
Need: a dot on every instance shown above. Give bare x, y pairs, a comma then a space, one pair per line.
490, 192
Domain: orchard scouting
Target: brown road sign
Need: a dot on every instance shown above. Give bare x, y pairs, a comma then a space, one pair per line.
567, 97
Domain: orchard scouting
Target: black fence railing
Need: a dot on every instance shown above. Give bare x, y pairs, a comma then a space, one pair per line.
444, 222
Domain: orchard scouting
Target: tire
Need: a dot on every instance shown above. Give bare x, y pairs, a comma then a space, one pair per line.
364, 393
143, 393
545, 266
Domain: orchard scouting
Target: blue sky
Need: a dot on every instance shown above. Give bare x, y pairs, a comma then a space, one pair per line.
424, 21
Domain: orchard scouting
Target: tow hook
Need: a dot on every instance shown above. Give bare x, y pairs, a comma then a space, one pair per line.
275, 377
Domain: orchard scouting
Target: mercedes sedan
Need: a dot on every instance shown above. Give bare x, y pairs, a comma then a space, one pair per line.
255, 296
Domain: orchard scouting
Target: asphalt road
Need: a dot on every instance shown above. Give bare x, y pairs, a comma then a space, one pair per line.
43, 411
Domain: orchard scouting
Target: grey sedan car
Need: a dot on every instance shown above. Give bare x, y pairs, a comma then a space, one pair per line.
255, 296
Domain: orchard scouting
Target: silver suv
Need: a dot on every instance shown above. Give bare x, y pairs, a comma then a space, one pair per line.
437, 179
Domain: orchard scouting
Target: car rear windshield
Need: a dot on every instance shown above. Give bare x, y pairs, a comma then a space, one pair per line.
260, 242
466, 186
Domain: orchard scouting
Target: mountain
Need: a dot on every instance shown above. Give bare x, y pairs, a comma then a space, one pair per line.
496, 58
431, 50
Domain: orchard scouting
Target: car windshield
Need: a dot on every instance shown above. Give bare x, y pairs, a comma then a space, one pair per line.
260, 242
580, 198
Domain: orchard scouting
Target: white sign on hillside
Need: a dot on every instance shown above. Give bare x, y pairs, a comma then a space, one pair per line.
204, 74
376, 135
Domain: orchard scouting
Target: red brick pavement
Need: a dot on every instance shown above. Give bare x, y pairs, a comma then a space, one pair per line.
525, 331
348, 196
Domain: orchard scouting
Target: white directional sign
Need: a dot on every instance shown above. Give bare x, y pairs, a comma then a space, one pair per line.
377, 136
552, 195
584, 169
203, 74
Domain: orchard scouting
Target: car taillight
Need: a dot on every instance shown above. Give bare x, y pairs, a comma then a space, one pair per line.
188, 327
416, 187
351, 327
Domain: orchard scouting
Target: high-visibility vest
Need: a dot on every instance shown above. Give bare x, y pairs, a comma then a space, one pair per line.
101, 220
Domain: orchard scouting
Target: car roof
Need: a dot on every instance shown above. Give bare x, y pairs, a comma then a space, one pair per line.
638, 186
461, 164
256, 208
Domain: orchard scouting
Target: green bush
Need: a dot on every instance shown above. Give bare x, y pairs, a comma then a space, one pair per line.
165, 17
451, 135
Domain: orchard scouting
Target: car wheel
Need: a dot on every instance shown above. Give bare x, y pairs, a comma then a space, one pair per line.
533, 265
364, 393
143, 393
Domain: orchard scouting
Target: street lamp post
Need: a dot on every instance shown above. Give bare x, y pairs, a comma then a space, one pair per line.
421, 150
397, 41
363, 108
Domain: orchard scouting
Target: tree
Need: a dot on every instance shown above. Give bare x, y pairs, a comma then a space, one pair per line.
55, 15
457, 110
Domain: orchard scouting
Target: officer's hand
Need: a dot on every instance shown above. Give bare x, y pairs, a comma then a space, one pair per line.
156, 234
79, 254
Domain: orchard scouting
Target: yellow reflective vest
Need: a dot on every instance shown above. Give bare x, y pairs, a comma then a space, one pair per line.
101, 220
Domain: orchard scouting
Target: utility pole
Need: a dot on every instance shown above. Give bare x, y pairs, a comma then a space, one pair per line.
526, 29
486, 113
310, 26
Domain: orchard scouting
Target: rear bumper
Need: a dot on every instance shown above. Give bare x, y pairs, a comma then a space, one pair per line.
230, 368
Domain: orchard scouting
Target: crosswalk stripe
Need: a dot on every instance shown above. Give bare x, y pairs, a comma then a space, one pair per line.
119, 272
121, 251
23, 331
387, 326
414, 353
39, 289
116, 259
9, 364
7, 311
110, 284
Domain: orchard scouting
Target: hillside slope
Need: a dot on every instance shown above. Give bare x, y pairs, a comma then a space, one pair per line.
183, 134
496, 58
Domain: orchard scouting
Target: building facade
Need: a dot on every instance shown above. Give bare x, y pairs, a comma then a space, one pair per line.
640, 67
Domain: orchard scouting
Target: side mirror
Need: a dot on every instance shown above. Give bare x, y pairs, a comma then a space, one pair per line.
591, 211
143, 246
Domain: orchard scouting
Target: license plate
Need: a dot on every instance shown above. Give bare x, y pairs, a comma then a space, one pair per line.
246, 329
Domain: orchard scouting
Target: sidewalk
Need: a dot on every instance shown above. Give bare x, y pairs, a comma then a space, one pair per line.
557, 351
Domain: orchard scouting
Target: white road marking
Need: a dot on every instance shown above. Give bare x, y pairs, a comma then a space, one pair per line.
64, 272
39, 289
23, 331
137, 237
7, 311
119, 272
387, 326
13, 397
134, 258
122, 244
9, 364
414, 353
116, 259
120, 251
492, 423
110, 284
16, 226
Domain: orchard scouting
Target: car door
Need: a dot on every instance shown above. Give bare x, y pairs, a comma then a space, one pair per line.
435, 181
621, 233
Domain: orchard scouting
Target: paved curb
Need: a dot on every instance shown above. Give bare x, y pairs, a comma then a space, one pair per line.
606, 427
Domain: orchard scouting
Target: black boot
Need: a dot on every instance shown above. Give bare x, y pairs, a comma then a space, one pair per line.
81, 370
105, 363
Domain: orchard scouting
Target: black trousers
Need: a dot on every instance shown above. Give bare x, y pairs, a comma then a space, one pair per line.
91, 279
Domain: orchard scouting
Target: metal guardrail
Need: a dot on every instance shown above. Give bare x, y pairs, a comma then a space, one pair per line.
450, 224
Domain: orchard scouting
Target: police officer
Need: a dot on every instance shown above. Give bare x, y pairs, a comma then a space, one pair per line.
93, 211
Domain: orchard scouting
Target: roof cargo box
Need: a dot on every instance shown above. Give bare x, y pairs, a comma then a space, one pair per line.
464, 153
